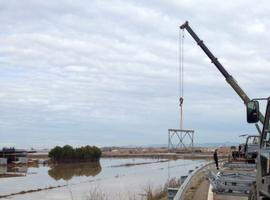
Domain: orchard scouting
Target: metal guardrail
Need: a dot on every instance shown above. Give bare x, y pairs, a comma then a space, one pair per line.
180, 195
240, 165
234, 184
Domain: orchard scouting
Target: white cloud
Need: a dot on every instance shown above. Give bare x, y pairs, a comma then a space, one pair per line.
111, 67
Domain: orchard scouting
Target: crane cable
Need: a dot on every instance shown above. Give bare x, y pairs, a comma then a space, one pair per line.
181, 85
181, 74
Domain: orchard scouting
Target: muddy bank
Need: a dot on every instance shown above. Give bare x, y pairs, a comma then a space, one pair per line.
140, 163
32, 190
10, 175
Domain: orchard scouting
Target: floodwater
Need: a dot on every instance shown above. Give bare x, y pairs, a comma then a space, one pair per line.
111, 179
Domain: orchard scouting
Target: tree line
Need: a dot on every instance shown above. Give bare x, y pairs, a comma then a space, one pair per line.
69, 154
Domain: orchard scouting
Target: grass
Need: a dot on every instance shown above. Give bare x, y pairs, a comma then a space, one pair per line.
96, 194
149, 193
160, 192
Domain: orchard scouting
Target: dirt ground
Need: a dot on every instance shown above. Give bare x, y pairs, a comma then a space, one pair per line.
202, 191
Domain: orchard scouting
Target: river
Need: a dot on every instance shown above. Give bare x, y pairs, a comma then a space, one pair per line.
112, 179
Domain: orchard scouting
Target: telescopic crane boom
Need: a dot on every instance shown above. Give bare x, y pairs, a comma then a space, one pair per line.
230, 80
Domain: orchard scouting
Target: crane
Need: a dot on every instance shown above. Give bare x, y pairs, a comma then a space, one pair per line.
261, 188
229, 78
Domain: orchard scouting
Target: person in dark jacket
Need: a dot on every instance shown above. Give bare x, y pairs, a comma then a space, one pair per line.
216, 159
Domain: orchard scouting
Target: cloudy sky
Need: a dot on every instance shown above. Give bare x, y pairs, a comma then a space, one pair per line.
106, 72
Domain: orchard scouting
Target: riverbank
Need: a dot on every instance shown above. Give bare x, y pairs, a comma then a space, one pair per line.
163, 153
188, 155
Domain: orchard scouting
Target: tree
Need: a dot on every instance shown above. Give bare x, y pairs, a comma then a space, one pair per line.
68, 154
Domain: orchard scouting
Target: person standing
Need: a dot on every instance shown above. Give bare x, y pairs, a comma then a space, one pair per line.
216, 159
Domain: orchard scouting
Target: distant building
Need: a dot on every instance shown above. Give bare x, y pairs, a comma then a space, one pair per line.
14, 155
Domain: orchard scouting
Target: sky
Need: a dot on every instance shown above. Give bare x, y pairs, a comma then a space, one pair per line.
107, 72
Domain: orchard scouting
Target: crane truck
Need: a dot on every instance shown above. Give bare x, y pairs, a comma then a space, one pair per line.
248, 151
261, 188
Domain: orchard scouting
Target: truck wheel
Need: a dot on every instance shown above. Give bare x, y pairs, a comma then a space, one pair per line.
253, 193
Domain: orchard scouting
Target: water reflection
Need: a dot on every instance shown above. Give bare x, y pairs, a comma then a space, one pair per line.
3, 169
67, 171
15, 169
19, 169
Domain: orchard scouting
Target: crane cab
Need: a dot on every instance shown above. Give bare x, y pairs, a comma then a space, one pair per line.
253, 111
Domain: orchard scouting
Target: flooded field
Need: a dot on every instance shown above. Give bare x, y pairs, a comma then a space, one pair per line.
111, 178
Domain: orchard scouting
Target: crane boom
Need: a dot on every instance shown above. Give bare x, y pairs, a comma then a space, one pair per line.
230, 80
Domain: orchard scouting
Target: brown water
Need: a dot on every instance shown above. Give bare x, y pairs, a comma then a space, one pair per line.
113, 178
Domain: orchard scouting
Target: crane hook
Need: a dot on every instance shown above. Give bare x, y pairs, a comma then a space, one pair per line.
181, 101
